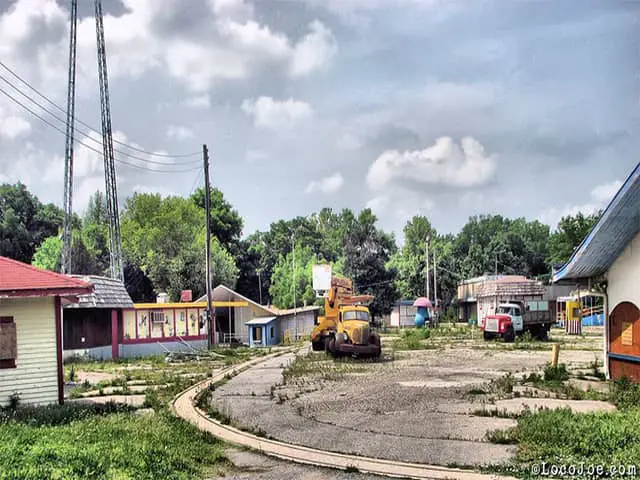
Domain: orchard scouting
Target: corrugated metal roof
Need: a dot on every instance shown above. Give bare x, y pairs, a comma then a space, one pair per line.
618, 225
107, 293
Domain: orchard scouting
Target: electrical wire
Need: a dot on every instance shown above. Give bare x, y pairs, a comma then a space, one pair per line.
98, 142
48, 100
89, 147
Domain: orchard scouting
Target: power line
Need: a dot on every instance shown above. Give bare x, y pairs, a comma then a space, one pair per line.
48, 100
89, 147
98, 142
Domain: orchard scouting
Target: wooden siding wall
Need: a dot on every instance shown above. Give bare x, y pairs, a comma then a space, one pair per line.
92, 324
35, 377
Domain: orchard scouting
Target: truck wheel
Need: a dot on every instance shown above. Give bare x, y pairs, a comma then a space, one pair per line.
487, 336
541, 333
509, 335
332, 348
317, 346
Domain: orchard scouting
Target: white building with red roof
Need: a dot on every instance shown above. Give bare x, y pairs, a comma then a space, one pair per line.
31, 331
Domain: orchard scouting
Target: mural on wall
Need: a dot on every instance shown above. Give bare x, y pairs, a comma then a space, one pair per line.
168, 326
181, 323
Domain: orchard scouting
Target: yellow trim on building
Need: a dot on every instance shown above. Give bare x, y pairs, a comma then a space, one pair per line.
156, 306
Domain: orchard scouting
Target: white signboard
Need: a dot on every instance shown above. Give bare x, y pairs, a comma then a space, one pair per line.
321, 277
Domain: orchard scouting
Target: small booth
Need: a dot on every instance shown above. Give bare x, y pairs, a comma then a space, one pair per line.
263, 332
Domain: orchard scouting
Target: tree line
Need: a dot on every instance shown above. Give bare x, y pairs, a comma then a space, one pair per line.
163, 240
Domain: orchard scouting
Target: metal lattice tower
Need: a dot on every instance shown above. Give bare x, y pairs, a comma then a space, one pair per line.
115, 242
68, 150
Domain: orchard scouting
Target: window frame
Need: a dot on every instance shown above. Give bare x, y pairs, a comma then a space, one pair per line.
8, 363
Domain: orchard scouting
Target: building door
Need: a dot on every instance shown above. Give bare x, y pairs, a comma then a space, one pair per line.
624, 341
257, 334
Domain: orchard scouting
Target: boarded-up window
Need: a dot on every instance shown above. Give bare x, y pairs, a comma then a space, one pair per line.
8, 343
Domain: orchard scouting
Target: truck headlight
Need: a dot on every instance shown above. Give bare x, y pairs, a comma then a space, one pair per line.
345, 337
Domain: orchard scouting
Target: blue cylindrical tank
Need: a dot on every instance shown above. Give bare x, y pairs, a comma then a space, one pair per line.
422, 316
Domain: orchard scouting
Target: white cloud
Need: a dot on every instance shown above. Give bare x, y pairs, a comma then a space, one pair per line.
443, 163
200, 102
12, 127
600, 197
179, 132
234, 45
314, 51
400, 204
326, 185
276, 114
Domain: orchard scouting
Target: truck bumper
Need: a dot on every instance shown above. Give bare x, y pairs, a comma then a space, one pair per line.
359, 349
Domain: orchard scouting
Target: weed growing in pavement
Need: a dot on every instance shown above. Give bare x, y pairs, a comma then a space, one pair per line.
321, 366
503, 385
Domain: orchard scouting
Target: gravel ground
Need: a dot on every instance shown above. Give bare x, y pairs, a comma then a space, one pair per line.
415, 406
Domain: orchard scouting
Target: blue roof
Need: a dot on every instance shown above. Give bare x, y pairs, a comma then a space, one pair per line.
606, 241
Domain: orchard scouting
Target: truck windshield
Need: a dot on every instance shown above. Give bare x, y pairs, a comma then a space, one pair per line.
513, 311
355, 315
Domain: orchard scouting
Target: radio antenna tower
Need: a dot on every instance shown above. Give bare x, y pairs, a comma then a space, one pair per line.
68, 149
115, 243
107, 152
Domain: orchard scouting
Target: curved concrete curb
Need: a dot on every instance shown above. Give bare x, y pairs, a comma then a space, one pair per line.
183, 405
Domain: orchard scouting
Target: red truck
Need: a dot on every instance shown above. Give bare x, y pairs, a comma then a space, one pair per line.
514, 318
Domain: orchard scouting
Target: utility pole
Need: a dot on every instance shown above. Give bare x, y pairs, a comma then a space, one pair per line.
260, 286
435, 285
496, 264
207, 208
427, 275
295, 318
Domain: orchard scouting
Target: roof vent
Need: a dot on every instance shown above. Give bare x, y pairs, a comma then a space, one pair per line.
162, 298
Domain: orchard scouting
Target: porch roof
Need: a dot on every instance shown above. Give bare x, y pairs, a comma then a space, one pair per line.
261, 321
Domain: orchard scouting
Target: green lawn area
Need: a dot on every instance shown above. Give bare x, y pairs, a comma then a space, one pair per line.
561, 437
76, 442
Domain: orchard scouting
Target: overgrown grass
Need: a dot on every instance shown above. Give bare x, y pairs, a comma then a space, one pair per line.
625, 394
563, 437
52, 415
75, 443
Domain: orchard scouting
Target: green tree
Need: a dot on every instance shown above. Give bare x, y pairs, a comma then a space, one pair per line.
48, 256
165, 238
568, 236
410, 261
95, 231
492, 243
226, 222
25, 222
282, 281
367, 253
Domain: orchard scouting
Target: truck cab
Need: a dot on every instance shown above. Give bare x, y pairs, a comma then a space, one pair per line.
514, 318
506, 322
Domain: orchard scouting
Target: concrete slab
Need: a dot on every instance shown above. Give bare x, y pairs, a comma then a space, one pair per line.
517, 405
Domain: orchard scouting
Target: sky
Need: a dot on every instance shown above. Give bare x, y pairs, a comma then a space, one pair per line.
443, 108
